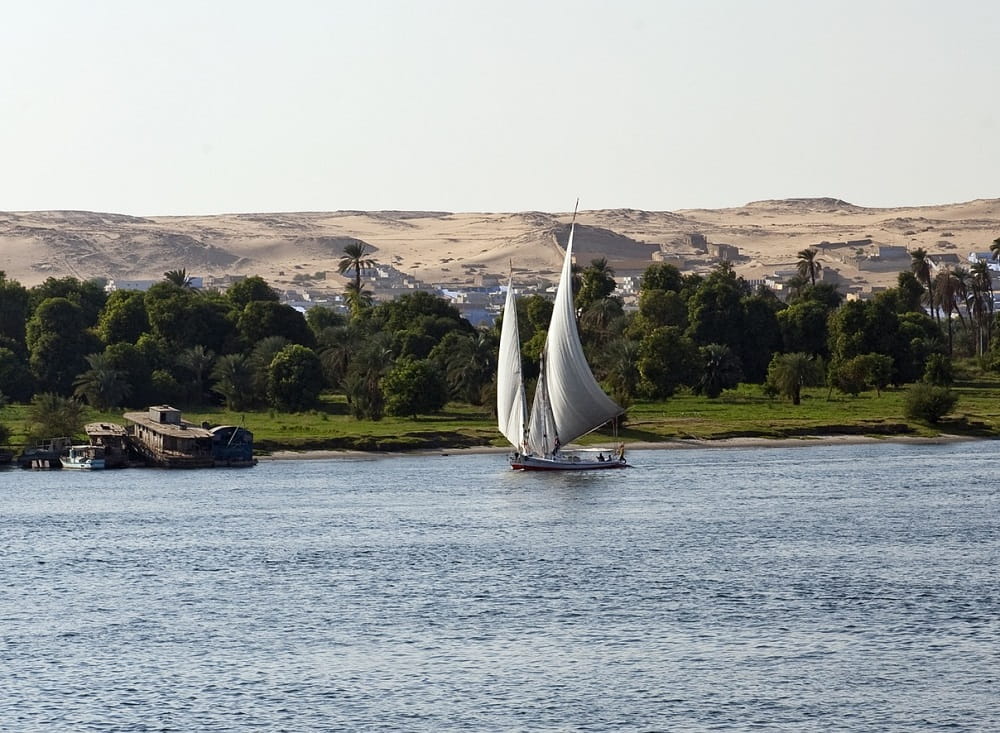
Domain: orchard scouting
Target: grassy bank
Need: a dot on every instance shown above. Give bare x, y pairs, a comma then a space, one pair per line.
746, 412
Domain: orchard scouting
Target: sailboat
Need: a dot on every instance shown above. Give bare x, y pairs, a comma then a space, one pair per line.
568, 402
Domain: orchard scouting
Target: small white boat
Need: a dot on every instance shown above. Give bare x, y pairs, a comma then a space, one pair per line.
84, 457
568, 402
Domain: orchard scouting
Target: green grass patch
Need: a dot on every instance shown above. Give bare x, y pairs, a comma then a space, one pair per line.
745, 412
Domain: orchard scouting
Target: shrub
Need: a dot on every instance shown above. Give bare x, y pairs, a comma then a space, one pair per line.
928, 402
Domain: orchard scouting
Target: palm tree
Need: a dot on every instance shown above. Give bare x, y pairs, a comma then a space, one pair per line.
364, 378
995, 248
921, 267
355, 258
949, 291
789, 373
197, 360
470, 366
51, 415
337, 344
722, 370
807, 265
234, 380
179, 278
981, 304
102, 385
358, 299
621, 368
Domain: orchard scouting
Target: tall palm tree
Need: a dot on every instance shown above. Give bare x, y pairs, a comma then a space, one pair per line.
948, 293
921, 267
355, 258
102, 385
982, 279
981, 304
807, 265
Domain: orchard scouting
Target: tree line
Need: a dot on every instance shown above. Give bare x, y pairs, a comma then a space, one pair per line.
173, 343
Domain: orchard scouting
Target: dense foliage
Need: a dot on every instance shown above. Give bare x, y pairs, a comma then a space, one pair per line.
174, 343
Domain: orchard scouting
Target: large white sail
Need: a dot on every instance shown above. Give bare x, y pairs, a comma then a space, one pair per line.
577, 400
512, 406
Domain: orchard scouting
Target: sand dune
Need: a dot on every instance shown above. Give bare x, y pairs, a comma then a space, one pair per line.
454, 248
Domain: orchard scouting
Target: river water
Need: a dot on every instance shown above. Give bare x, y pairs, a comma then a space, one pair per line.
849, 587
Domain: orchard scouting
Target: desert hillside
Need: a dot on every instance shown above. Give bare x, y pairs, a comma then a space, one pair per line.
860, 246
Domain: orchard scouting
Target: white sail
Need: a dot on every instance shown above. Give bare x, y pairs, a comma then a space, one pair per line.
578, 403
542, 430
511, 403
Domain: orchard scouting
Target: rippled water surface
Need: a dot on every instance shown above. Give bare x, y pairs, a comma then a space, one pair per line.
828, 587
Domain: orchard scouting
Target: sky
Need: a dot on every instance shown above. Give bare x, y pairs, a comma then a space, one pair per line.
223, 106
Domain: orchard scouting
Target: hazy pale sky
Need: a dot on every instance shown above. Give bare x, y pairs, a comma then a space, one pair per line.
221, 106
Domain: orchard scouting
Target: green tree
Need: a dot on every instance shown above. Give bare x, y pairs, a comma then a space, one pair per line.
263, 318
102, 385
804, 327
14, 308
294, 378
186, 318
88, 295
662, 276
58, 339
15, 377
667, 360
123, 318
249, 290
413, 387
789, 373
715, 310
321, 318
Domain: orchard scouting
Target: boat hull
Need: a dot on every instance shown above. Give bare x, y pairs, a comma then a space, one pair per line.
533, 463
92, 464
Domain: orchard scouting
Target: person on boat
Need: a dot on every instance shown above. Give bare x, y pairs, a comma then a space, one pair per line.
557, 446
621, 451
600, 457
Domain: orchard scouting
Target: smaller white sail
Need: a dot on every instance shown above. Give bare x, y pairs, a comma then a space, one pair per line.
512, 406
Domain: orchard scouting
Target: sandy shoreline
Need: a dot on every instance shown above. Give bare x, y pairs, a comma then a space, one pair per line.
676, 444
